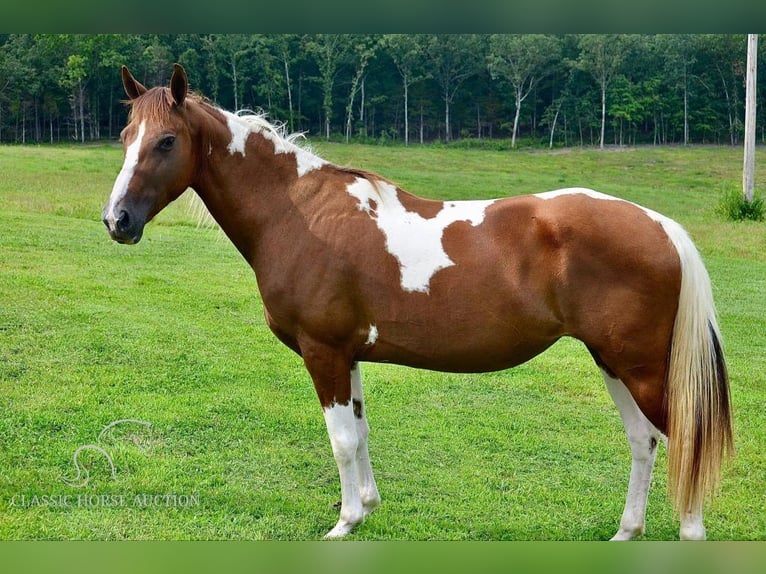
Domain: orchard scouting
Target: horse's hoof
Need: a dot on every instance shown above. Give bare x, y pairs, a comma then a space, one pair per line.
624, 534
340, 530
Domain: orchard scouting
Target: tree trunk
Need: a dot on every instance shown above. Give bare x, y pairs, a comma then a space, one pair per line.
289, 96
478, 120
327, 99
748, 176
234, 82
406, 113
350, 106
38, 127
534, 112
516, 118
74, 115
728, 104
553, 126
421, 124
621, 138
446, 116
82, 114
362, 119
686, 108
603, 112
300, 97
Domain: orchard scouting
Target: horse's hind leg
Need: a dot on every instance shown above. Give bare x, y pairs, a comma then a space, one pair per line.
692, 527
643, 437
368, 490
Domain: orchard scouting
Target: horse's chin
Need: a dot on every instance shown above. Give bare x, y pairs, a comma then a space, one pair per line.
127, 240
130, 237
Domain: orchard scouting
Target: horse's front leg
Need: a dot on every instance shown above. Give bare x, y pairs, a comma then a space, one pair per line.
368, 490
331, 374
344, 439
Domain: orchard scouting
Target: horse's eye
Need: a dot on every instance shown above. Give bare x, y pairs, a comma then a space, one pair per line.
166, 143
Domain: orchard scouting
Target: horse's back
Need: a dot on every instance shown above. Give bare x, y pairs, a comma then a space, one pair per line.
536, 269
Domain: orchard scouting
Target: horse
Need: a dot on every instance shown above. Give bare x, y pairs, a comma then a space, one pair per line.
352, 269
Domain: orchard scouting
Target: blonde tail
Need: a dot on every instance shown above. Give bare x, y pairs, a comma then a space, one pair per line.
698, 400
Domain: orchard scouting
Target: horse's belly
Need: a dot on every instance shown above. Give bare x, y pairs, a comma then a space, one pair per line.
456, 351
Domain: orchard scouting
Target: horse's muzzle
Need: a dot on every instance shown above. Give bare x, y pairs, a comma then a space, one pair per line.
123, 227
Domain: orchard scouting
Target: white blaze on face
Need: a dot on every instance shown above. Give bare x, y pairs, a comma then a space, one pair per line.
415, 241
122, 182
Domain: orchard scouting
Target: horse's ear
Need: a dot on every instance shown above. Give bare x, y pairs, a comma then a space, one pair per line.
179, 84
133, 87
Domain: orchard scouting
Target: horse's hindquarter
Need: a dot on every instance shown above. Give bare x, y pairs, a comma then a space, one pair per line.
619, 280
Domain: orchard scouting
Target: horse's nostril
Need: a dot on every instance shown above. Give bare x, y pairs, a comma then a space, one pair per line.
123, 222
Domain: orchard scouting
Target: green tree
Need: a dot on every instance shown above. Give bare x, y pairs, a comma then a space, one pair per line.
601, 55
16, 74
680, 55
406, 51
285, 48
361, 49
158, 61
329, 51
232, 50
452, 59
522, 60
725, 54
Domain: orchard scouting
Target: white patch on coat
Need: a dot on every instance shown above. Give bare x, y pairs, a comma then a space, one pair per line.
372, 336
342, 428
415, 241
120, 187
239, 132
242, 126
307, 161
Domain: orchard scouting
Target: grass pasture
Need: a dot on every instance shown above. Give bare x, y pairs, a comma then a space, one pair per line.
171, 332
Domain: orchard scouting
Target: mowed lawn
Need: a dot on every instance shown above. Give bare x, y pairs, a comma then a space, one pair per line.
171, 333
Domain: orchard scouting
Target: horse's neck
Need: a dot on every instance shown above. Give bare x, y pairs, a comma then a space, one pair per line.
244, 181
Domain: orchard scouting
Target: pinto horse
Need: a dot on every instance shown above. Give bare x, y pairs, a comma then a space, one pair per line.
351, 268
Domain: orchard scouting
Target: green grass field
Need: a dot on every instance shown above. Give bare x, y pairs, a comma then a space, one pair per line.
171, 332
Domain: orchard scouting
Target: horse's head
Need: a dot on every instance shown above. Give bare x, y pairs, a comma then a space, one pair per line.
159, 159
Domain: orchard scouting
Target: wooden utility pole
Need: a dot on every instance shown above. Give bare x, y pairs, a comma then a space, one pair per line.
748, 175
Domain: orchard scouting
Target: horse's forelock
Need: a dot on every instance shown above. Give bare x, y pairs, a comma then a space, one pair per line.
155, 104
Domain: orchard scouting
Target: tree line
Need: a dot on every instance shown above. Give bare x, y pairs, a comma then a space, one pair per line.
519, 89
